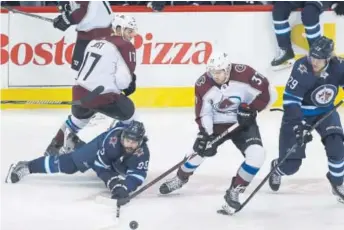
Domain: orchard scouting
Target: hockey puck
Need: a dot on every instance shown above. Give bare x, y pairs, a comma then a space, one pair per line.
133, 224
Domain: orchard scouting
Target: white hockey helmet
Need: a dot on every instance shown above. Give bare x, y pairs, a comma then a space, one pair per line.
219, 61
129, 22
124, 21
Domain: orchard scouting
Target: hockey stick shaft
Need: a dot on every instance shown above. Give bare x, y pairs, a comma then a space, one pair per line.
287, 155
150, 184
98, 90
28, 14
162, 176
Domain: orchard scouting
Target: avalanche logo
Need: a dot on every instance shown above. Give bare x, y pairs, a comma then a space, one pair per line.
227, 105
324, 95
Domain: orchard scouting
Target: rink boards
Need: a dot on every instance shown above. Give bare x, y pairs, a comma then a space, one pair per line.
172, 49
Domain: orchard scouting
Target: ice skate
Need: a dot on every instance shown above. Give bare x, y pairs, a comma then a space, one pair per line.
232, 199
283, 60
70, 141
172, 185
337, 190
17, 172
275, 178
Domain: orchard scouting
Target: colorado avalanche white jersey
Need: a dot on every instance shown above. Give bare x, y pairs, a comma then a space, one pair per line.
216, 105
110, 63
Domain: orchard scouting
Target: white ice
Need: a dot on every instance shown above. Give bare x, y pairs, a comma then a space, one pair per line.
55, 202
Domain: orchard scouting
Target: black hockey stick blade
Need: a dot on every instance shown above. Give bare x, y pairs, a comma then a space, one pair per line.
28, 14
276, 109
287, 155
166, 173
98, 90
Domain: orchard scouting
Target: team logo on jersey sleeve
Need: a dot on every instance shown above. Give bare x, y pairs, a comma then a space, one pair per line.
324, 95
227, 105
113, 141
200, 81
302, 69
240, 68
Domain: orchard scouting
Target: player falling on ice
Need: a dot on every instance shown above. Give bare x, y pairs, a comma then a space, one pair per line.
119, 156
110, 62
310, 92
227, 93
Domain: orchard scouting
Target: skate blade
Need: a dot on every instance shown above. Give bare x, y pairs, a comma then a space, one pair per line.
340, 200
8, 177
227, 210
283, 66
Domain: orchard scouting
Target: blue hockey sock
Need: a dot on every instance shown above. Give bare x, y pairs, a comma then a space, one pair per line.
53, 164
46, 164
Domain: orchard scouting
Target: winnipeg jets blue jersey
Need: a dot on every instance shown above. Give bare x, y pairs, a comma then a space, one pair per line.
309, 95
113, 162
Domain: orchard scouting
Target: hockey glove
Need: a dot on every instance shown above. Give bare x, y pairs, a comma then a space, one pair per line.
246, 116
201, 144
118, 190
64, 6
132, 87
302, 135
63, 21
339, 8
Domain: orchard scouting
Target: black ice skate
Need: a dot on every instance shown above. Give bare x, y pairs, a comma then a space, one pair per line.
275, 178
70, 142
54, 148
232, 199
337, 190
172, 185
283, 60
17, 172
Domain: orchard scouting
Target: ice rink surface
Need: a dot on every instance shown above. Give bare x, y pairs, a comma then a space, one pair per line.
71, 202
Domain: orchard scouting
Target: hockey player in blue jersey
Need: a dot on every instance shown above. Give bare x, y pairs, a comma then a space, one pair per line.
119, 156
310, 92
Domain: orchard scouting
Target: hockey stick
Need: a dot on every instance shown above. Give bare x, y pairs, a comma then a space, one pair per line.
276, 109
287, 155
98, 90
27, 14
162, 176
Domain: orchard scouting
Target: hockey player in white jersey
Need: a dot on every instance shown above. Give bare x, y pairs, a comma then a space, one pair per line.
109, 62
226, 94
92, 20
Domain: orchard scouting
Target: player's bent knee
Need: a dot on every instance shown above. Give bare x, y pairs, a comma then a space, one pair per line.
310, 15
291, 166
334, 146
81, 112
315, 4
127, 108
255, 155
66, 164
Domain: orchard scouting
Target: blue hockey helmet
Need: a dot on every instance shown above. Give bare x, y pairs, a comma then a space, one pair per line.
134, 131
322, 48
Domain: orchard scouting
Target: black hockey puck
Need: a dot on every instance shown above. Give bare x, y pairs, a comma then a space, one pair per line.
133, 224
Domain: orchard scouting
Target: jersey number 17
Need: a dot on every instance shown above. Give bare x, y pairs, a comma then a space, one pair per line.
95, 59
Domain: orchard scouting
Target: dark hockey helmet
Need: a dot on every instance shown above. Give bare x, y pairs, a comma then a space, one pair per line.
135, 131
322, 48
